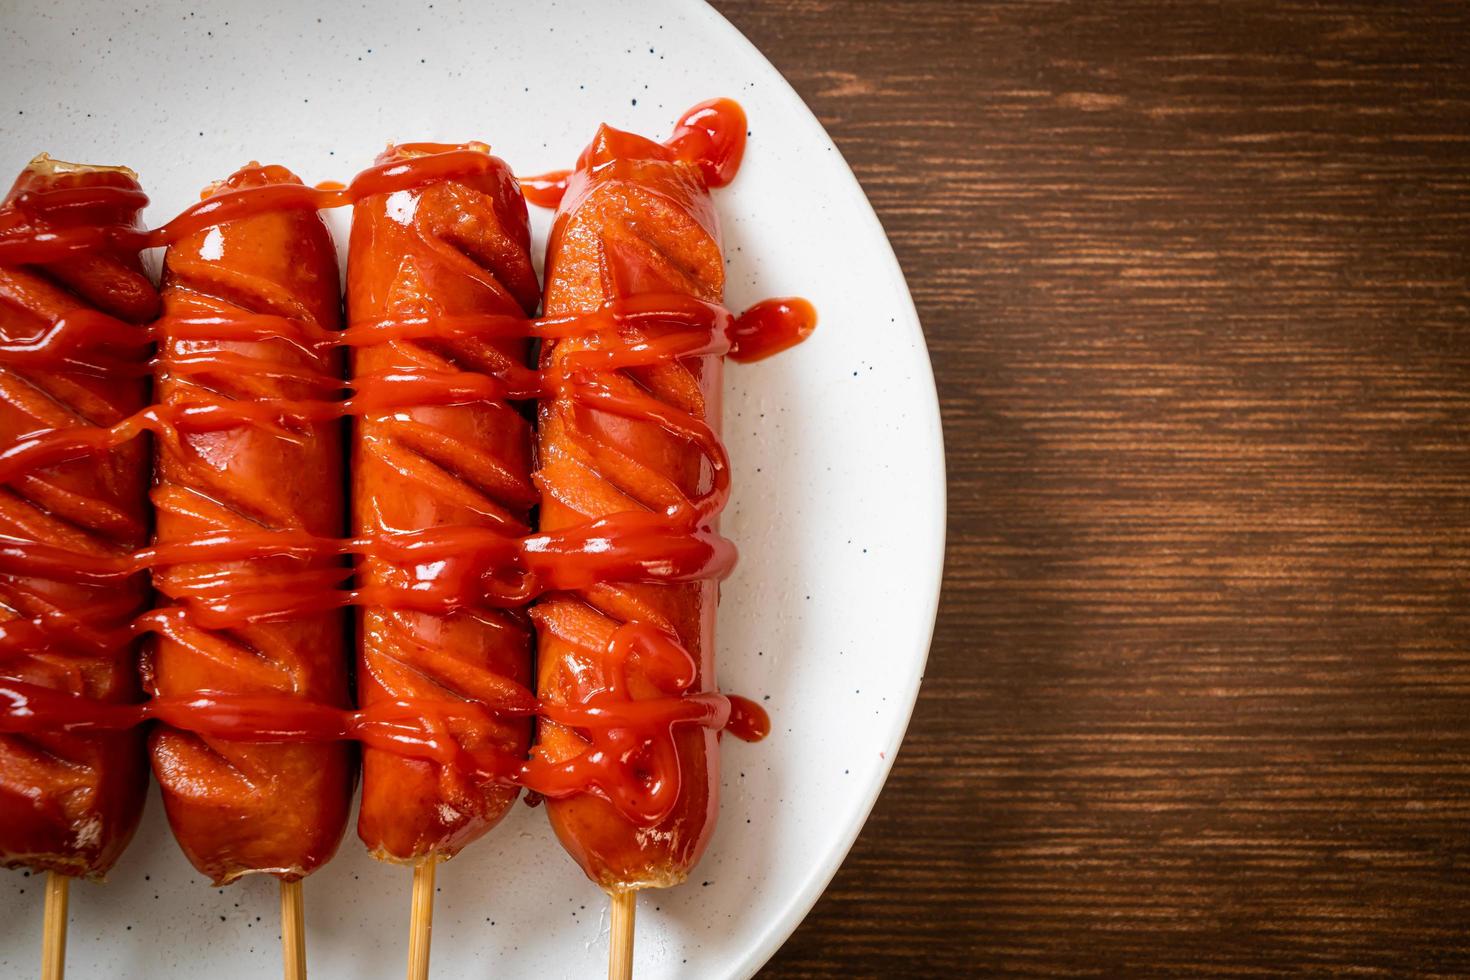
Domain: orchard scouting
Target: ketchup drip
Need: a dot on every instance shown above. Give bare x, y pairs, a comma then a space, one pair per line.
545, 190
711, 136
769, 327
451, 567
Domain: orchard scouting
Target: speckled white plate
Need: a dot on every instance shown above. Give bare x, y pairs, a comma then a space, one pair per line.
839, 484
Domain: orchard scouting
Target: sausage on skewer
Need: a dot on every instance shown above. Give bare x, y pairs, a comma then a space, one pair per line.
454, 246
70, 803
635, 219
243, 807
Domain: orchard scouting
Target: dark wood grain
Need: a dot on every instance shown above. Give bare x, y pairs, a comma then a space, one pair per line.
1194, 276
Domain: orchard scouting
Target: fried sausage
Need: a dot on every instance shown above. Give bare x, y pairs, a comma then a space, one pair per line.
70, 803
241, 807
457, 246
635, 219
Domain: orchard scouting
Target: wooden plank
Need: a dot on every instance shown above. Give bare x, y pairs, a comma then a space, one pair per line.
1195, 278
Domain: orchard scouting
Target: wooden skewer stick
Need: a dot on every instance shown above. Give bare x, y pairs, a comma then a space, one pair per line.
620, 942
53, 930
421, 919
293, 930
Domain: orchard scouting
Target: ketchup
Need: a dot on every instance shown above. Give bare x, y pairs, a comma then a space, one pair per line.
545, 190
450, 568
711, 136
769, 327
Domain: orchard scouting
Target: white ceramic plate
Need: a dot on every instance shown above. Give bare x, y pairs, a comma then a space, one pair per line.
839, 484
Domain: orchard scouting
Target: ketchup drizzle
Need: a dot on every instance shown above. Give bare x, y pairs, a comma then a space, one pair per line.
711, 136
450, 567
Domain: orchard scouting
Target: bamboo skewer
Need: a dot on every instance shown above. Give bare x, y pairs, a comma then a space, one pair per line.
293, 930
620, 941
53, 929
421, 919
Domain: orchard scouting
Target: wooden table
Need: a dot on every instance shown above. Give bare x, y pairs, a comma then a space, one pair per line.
1194, 276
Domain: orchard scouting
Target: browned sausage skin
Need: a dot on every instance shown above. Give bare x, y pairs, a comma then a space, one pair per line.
447, 247
242, 807
634, 220
70, 803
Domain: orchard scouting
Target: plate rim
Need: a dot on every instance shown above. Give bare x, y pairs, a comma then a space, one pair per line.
803, 900
926, 524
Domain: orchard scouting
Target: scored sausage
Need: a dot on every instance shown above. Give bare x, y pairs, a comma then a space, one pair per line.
70, 803
448, 247
635, 219
242, 807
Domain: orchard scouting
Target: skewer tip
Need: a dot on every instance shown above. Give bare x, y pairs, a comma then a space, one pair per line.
293, 930
53, 934
620, 941
421, 918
